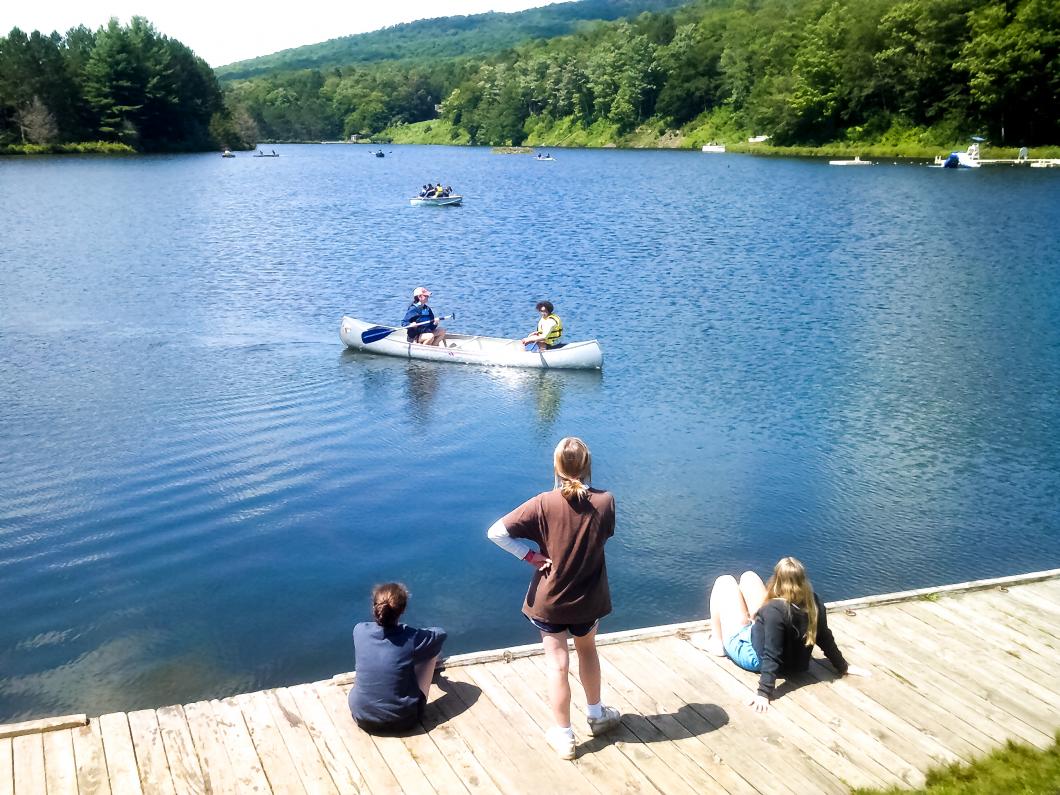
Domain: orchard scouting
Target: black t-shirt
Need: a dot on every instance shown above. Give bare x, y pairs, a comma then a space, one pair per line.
778, 636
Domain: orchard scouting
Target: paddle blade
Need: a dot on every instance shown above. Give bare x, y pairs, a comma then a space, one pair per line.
376, 333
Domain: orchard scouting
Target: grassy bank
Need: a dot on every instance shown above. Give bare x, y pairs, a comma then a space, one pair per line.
85, 147
716, 127
1013, 770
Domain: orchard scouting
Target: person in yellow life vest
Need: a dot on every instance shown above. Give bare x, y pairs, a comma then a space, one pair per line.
549, 329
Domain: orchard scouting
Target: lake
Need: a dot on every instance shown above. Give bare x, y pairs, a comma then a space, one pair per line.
199, 485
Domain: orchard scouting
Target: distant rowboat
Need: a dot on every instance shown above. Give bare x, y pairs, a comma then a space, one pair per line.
436, 201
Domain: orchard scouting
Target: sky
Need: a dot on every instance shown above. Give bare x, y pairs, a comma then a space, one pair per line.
222, 33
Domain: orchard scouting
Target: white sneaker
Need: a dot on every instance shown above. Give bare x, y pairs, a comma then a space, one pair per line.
562, 742
604, 723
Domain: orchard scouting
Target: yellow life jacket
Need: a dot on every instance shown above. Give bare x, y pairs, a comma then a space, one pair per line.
557, 330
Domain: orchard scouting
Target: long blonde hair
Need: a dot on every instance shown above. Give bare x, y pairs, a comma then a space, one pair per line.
573, 465
790, 583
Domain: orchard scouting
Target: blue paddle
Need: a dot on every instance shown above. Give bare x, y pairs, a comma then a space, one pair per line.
376, 333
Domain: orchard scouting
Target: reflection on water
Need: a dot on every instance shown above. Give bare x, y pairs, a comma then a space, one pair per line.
199, 486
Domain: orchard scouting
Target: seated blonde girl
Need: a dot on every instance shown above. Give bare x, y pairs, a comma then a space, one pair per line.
772, 629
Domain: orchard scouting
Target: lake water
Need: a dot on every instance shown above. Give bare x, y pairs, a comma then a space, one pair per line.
199, 486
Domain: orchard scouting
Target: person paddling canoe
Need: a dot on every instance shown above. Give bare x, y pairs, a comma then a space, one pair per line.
428, 332
549, 329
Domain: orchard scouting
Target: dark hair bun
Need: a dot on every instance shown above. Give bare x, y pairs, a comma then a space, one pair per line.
388, 603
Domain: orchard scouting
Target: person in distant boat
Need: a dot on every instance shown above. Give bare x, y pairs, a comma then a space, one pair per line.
448, 190
772, 629
429, 333
549, 329
395, 664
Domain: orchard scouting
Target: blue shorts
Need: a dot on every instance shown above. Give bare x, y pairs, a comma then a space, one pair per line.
577, 630
741, 652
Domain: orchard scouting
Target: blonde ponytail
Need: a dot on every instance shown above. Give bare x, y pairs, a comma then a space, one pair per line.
790, 583
573, 466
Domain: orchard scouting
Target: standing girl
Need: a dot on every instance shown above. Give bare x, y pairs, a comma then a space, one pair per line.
568, 593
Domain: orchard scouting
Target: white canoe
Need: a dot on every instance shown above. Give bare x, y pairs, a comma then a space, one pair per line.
857, 161
468, 349
436, 201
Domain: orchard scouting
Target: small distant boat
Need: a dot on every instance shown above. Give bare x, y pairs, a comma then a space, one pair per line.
857, 161
718, 148
544, 158
227, 153
262, 154
380, 153
436, 201
469, 349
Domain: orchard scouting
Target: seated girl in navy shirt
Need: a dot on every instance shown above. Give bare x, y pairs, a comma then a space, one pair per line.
395, 664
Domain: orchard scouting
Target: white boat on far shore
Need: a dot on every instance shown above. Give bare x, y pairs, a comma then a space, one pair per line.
857, 161
714, 148
469, 349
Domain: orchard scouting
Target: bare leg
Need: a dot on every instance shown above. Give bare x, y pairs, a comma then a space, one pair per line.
589, 666
424, 675
728, 611
557, 663
753, 590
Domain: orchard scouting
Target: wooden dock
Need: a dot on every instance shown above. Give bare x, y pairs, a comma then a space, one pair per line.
956, 671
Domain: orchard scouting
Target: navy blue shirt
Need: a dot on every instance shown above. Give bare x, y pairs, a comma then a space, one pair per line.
417, 313
385, 692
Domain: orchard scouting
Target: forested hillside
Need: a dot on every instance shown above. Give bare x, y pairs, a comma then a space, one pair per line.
123, 85
802, 71
445, 37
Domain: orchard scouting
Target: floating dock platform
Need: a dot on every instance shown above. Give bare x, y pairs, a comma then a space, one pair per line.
956, 671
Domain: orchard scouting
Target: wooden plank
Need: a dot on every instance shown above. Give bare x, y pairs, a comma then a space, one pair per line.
1029, 611
121, 758
819, 723
241, 751
1023, 677
272, 750
938, 714
91, 762
509, 763
336, 758
150, 753
431, 762
1023, 646
603, 763
217, 773
43, 725
311, 769
782, 757
60, 769
530, 672
554, 774
685, 752
28, 750
473, 775
184, 769
987, 679
815, 740
966, 699
376, 772
7, 767
707, 721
